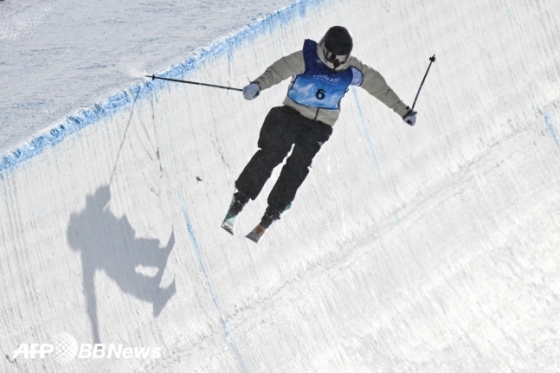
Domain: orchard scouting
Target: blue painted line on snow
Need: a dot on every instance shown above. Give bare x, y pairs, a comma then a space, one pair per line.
198, 250
511, 17
398, 220
551, 129
375, 158
123, 99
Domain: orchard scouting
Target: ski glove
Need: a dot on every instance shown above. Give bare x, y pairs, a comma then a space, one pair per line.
251, 91
410, 117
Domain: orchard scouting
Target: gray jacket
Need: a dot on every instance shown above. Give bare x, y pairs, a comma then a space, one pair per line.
294, 64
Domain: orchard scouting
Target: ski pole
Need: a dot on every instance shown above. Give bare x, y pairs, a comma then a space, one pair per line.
432, 60
189, 82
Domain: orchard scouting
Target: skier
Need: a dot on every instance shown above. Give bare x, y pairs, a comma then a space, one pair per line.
322, 74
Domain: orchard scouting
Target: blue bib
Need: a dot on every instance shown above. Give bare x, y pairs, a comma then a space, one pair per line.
319, 86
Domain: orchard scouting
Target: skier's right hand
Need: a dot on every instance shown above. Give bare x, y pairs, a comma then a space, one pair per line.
251, 91
410, 117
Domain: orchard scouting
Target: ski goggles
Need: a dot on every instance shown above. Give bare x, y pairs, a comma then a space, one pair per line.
336, 59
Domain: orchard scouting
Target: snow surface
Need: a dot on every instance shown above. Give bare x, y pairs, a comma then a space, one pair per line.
424, 249
62, 55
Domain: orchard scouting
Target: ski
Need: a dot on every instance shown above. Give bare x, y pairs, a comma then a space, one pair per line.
229, 222
238, 200
270, 216
256, 234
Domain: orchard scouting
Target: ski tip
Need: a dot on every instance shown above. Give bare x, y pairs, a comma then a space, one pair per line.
253, 236
228, 229
256, 234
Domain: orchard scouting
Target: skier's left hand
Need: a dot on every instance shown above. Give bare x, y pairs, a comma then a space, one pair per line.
410, 117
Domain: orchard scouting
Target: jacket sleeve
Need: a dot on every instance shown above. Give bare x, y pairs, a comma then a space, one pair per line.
282, 69
376, 86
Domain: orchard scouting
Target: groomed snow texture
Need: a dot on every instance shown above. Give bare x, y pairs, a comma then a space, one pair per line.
433, 248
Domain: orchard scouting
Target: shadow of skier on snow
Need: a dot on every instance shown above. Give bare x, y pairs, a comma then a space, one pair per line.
107, 243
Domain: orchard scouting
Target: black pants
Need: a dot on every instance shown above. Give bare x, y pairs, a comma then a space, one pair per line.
282, 128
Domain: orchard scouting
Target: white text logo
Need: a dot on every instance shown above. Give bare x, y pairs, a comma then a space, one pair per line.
65, 348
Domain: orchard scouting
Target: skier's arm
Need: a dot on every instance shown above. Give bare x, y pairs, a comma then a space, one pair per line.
376, 86
282, 69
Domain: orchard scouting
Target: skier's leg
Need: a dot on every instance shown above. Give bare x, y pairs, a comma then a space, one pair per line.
277, 135
296, 169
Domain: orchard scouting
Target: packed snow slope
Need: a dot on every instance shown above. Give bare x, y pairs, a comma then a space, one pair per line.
58, 56
432, 248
